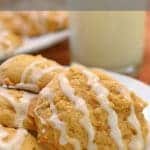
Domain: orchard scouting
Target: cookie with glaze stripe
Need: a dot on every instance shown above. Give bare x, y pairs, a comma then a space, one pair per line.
27, 72
85, 109
17, 139
16, 108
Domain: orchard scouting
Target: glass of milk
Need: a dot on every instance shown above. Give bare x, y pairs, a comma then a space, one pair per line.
112, 40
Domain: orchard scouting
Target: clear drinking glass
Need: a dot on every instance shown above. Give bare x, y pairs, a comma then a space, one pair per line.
109, 39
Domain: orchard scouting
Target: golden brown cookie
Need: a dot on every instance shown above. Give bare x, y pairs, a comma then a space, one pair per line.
88, 110
15, 108
56, 20
9, 42
16, 139
34, 23
28, 72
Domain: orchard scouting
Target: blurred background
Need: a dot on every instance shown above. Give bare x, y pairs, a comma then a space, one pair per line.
114, 40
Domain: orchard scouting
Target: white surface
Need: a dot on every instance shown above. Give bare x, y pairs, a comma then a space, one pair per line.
32, 45
138, 87
43, 41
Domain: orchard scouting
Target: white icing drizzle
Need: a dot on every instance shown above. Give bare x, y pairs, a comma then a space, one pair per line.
102, 97
21, 106
27, 86
15, 143
82, 107
137, 141
37, 74
64, 138
29, 68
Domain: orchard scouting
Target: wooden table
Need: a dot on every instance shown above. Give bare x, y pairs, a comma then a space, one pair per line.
61, 53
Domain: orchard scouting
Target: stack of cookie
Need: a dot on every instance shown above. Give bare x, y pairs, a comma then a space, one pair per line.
44, 105
15, 26
34, 23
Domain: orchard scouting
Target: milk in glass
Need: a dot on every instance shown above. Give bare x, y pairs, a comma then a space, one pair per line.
108, 39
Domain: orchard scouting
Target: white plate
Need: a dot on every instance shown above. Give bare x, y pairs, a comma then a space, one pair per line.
138, 87
32, 45
37, 43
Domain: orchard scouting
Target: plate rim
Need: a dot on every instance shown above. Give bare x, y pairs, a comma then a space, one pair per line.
135, 84
51, 39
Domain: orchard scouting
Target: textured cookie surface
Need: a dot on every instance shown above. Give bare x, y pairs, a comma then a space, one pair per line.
16, 139
76, 108
28, 72
15, 108
84, 109
34, 23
